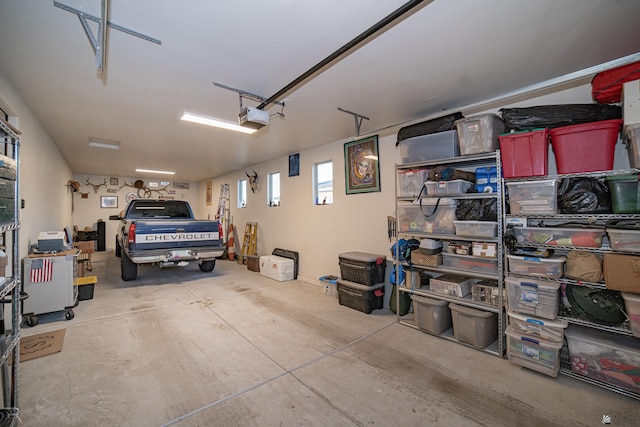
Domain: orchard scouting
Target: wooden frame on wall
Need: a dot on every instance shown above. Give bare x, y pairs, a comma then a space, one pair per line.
362, 165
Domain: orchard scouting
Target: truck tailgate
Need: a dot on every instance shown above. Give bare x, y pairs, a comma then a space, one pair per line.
175, 234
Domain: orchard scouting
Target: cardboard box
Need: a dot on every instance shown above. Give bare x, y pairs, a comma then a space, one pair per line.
622, 272
484, 249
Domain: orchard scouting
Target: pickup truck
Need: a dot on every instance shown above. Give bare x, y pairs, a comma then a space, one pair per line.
164, 232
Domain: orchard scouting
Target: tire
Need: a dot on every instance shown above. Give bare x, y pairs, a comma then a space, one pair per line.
128, 269
207, 266
69, 314
118, 249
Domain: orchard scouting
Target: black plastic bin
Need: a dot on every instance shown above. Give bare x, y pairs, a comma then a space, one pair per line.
360, 297
361, 267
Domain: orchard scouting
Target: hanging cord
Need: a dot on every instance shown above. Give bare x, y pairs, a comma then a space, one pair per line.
420, 201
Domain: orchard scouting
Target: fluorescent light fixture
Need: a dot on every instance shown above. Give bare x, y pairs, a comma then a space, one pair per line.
104, 143
153, 171
209, 121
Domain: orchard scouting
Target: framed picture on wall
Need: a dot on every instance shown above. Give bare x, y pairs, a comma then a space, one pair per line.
294, 164
362, 165
108, 201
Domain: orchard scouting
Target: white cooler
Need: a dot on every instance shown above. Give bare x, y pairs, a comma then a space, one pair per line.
276, 267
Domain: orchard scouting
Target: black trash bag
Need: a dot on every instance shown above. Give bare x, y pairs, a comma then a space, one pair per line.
583, 195
553, 116
441, 124
477, 210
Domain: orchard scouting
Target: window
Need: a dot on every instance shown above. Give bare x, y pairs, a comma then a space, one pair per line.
242, 193
273, 193
323, 182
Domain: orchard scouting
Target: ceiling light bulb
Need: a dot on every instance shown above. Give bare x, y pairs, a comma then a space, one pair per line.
209, 121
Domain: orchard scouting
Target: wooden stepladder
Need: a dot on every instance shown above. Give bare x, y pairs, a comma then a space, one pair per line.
249, 243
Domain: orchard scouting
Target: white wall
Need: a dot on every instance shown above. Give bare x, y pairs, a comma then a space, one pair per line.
87, 211
354, 222
43, 173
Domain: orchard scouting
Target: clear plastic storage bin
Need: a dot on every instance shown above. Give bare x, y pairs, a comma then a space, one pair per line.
552, 267
476, 228
613, 359
632, 303
533, 353
537, 297
434, 216
560, 236
549, 330
410, 182
471, 263
435, 146
447, 188
479, 134
624, 240
533, 197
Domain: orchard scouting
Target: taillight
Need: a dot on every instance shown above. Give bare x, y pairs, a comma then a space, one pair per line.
220, 229
131, 236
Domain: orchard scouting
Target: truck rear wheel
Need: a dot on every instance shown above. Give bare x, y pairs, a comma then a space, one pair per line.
128, 269
118, 248
207, 266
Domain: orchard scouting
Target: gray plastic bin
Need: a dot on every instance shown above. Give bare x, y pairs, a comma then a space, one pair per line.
476, 327
431, 315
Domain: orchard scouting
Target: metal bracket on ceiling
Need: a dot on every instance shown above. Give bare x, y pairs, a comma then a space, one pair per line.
99, 44
245, 94
357, 119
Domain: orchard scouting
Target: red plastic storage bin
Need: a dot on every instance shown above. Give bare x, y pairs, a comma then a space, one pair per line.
586, 147
525, 153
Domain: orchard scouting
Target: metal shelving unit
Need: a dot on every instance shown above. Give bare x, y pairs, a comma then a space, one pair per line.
594, 220
486, 159
10, 289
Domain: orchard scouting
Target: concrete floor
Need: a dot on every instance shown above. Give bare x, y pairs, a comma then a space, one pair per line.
233, 348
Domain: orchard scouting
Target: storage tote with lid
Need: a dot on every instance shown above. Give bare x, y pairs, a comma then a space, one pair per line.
430, 215
361, 267
552, 267
476, 327
360, 297
549, 330
479, 134
434, 146
537, 297
613, 359
533, 353
585, 147
431, 315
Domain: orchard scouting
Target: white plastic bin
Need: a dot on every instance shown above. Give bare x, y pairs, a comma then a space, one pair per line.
624, 240
560, 236
411, 181
434, 216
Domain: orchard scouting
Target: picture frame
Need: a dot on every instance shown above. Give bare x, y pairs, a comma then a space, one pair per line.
294, 164
108, 201
209, 193
362, 166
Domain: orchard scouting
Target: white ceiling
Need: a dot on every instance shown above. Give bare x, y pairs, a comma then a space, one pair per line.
446, 54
